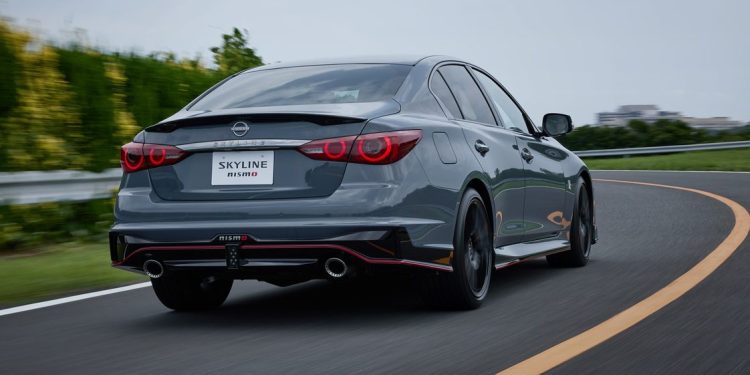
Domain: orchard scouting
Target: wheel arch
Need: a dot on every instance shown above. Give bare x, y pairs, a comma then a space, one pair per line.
586, 176
480, 185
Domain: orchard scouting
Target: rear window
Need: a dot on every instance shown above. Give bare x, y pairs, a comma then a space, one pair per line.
326, 84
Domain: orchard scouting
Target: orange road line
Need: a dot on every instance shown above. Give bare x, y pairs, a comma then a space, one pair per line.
572, 347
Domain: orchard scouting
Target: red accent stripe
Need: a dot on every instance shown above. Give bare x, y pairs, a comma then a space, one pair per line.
347, 250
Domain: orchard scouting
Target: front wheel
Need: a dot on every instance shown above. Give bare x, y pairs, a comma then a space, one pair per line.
179, 291
467, 286
581, 231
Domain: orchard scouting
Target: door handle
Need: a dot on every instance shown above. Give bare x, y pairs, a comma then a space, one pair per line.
526, 155
481, 147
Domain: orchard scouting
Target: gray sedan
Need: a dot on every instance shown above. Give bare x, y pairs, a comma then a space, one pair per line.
344, 168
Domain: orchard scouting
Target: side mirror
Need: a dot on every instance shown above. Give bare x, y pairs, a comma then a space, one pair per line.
556, 124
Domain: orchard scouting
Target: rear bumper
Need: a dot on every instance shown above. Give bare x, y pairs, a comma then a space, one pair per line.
380, 215
207, 248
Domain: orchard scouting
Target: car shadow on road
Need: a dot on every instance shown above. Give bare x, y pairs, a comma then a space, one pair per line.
382, 300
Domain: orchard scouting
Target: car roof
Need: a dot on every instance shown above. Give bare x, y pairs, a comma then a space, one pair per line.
386, 59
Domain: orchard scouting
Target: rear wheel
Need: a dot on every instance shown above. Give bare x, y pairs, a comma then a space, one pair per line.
467, 286
581, 231
179, 291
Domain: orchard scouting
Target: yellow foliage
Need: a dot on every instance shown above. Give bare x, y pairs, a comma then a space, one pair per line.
45, 119
18, 40
125, 122
71, 108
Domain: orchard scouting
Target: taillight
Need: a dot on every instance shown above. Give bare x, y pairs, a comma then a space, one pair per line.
384, 148
374, 148
334, 149
139, 156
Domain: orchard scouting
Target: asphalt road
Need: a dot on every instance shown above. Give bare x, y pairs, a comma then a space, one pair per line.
648, 237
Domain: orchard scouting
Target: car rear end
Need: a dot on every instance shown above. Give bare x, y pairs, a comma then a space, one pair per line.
278, 175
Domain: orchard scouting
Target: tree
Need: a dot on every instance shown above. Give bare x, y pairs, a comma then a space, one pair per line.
11, 45
43, 128
235, 54
639, 133
9, 67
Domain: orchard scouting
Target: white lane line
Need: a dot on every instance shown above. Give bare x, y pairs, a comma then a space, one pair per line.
79, 297
663, 170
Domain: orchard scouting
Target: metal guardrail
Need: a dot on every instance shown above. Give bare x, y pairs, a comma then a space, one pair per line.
662, 149
56, 186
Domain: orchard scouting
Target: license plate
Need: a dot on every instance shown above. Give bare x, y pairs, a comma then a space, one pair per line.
242, 168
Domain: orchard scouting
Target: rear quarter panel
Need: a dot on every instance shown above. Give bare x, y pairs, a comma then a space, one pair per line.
447, 178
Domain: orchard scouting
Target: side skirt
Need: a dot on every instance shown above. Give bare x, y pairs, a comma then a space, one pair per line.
511, 254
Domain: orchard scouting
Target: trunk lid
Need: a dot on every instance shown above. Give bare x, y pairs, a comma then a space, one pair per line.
227, 146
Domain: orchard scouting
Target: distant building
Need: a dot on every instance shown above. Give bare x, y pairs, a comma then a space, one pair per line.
651, 113
712, 123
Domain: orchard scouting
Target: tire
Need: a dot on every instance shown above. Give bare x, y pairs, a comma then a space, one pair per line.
581, 231
184, 292
466, 287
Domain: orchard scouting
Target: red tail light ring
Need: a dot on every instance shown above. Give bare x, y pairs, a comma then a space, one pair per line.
159, 160
131, 157
335, 150
374, 150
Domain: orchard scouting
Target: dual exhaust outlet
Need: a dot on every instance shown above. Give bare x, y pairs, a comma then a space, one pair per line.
153, 268
334, 267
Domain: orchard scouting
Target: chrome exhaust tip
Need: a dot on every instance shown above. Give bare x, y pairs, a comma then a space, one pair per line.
153, 269
336, 268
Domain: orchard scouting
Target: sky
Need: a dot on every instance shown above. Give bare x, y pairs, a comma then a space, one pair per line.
575, 57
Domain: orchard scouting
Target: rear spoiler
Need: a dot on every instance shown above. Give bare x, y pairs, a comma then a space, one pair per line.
320, 119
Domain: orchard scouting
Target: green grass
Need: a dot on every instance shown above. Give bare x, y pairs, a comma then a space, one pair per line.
59, 270
720, 160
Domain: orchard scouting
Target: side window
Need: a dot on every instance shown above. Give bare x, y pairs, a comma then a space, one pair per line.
470, 99
510, 114
441, 90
